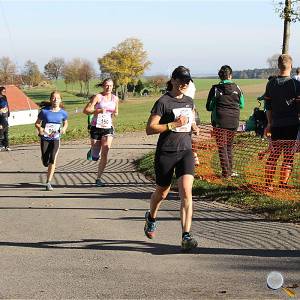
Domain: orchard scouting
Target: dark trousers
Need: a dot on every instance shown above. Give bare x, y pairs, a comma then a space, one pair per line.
4, 137
224, 139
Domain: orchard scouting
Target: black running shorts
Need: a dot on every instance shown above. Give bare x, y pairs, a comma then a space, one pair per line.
167, 161
49, 151
98, 133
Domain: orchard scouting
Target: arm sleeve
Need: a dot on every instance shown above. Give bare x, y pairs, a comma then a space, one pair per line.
242, 101
210, 99
2, 104
268, 102
158, 108
297, 83
65, 117
242, 98
8, 111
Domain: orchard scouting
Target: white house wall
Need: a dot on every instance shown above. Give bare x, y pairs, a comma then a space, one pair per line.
22, 117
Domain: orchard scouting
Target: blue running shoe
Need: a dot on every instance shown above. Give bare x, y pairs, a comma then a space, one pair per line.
188, 242
89, 155
149, 227
99, 183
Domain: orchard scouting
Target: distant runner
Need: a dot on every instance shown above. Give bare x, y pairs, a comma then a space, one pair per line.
51, 123
104, 107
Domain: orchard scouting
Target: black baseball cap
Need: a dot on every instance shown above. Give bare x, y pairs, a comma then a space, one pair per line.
183, 74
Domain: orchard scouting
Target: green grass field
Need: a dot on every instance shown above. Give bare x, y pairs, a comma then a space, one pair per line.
133, 113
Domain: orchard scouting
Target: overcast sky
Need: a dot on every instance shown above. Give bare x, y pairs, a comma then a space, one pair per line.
202, 35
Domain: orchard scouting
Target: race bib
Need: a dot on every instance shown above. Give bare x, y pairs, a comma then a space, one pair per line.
104, 121
52, 130
187, 112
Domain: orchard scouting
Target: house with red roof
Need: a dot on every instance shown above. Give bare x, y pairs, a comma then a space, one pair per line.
22, 109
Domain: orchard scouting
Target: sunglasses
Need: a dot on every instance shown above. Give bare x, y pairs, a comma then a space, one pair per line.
183, 82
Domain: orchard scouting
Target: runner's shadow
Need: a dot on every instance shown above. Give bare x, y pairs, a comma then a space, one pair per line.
150, 247
104, 245
22, 185
195, 219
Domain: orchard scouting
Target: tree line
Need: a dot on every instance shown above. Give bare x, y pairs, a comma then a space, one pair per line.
125, 64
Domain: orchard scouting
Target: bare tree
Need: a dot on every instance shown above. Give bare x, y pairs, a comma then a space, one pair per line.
31, 73
53, 69
289, 11
273, 61
86, 73
81, 71
71, 72
7, 70
157, 82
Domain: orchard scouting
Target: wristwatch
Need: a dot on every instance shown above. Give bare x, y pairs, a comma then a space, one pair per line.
170, 126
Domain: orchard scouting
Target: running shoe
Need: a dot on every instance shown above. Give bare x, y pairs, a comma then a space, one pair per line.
188, 242
2, 148
149, 227
89, 155
49, 187
99, 183
7, 149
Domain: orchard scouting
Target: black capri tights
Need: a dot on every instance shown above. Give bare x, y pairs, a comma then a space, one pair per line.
49, 151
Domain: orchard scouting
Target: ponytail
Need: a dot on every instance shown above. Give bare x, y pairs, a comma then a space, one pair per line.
169, 86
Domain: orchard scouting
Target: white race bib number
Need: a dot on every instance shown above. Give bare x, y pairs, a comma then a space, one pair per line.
52, 130
104, 121
187, 112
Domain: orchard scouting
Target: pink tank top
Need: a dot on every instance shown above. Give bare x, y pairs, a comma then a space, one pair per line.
110, 106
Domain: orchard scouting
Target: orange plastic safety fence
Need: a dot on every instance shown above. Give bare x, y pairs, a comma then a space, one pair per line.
264, 166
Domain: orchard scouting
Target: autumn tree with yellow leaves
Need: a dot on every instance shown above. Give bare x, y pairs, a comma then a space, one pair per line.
125, 64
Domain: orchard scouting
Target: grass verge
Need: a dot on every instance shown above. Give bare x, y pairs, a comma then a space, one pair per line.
271, 209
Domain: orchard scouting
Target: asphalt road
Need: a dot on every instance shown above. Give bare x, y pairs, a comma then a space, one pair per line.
80, 241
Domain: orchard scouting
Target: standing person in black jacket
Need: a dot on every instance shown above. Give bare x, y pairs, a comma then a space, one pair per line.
4, 111
225, 100
282, 98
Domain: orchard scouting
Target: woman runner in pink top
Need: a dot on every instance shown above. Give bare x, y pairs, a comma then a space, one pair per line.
104, 107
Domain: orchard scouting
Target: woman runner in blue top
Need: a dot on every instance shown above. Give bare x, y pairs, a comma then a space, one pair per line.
51, 123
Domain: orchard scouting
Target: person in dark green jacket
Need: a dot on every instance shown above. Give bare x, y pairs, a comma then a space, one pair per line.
225, 100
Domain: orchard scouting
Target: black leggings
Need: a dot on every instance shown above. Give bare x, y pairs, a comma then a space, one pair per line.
4, 137
49, 151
